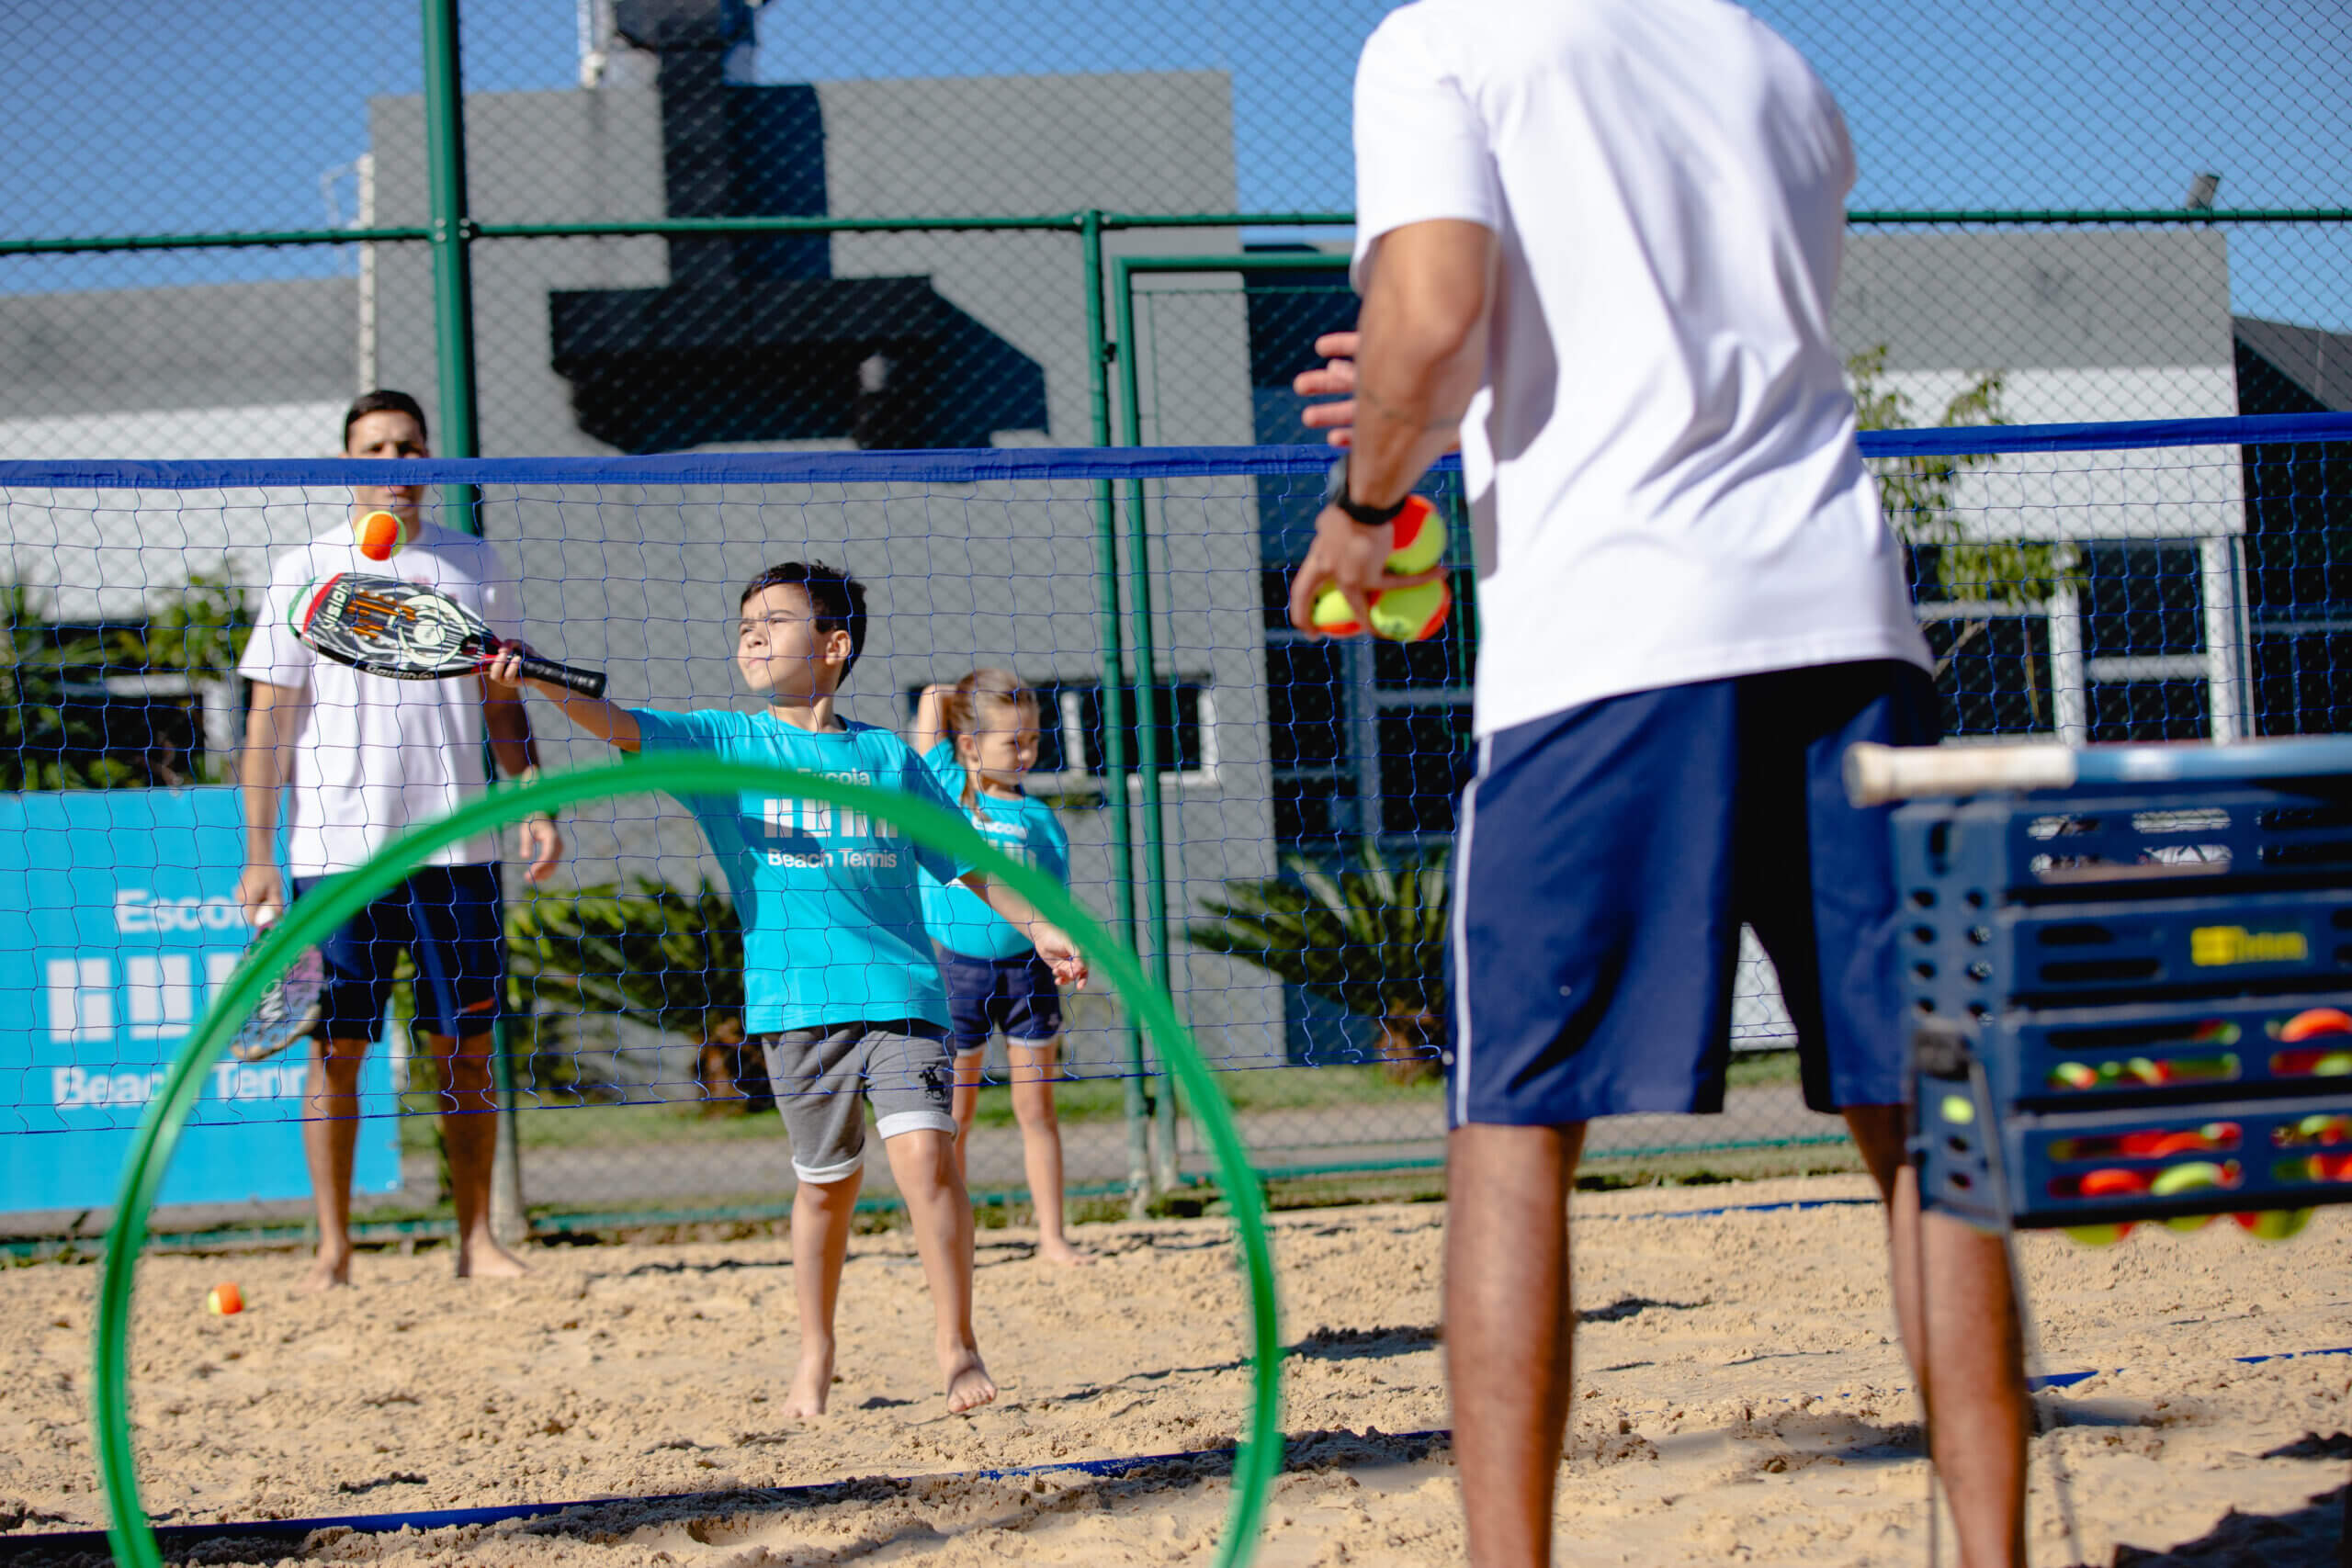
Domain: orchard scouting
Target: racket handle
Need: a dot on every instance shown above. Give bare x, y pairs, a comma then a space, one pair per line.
587, 683
1877, 774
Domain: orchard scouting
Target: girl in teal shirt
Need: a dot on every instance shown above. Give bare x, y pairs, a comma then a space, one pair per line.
979, 737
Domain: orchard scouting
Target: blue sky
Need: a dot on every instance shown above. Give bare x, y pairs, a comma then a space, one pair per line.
137, 115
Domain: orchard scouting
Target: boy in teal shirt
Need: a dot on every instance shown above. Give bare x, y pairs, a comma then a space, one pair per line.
841, 990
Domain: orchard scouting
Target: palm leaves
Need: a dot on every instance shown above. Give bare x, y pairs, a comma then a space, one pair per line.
666, 958
1371, 939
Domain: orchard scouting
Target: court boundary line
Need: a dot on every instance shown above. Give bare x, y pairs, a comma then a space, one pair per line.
185, 1535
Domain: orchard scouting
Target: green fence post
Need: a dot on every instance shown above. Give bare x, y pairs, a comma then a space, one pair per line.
451, 235
1099, 352
1155, 850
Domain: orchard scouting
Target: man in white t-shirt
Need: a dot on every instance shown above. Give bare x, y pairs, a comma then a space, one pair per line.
1597, 241
360, 759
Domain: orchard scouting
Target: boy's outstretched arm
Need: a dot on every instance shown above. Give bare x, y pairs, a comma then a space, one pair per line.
1052, 944
604, 720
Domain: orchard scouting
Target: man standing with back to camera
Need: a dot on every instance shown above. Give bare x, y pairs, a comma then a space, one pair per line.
361, 759
1597, 241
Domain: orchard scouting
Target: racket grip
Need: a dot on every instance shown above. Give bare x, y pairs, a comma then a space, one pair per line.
1877, 774
587, 683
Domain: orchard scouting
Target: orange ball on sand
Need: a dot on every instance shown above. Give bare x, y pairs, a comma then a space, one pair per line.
224, 1299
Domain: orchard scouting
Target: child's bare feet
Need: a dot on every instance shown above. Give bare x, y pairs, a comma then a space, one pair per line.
1058, 1250
483, 1259
968, 1384
327, 1271
812, 1380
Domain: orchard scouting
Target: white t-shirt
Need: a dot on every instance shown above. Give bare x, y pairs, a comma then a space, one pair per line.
374, 757
1661, 467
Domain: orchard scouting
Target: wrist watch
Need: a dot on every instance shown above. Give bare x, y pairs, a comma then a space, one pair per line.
1335, 493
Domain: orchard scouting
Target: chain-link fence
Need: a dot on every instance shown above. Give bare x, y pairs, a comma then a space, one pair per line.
697, 225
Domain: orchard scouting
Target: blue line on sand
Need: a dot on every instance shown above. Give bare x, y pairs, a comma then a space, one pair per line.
2068, 1379
182, 1537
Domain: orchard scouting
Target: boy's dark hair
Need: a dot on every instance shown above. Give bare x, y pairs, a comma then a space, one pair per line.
381, 400
836, 600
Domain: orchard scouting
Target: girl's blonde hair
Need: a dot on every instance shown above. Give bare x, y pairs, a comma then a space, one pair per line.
985, 699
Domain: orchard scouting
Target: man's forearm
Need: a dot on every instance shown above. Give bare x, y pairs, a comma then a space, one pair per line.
261, 771
511, 742
1423, 353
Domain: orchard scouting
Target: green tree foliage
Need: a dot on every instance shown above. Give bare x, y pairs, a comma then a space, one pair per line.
54, 706
1918, 494
1370, 939
670, 960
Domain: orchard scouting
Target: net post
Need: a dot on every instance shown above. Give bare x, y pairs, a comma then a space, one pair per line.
451, 234
1100, 350
1155, 852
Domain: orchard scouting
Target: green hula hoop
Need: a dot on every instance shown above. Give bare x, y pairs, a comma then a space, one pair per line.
332, 903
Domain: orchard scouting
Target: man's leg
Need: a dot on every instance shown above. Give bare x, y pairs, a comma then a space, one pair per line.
924, 1163
1508, 1322
1965, 1346
822, 1212
470, 1131
1034, 1068
330, 1138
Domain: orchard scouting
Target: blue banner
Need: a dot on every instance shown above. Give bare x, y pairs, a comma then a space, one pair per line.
118, 924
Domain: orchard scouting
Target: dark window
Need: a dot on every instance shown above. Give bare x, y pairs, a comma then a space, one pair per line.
2148, 710
1994, 674
1305, 704
1425, 758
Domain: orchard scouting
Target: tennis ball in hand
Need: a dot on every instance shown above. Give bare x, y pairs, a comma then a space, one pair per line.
380, 534
1403, 614
224, 1299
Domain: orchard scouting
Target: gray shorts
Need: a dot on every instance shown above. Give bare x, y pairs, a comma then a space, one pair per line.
818, 1075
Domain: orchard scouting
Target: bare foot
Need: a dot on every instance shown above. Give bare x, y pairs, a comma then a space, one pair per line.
812, 1380
968, 1384
483, 1259
1056, 1250
328, 1270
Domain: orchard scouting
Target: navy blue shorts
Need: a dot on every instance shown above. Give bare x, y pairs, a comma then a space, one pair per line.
448, 918
1014, 995
1607, 858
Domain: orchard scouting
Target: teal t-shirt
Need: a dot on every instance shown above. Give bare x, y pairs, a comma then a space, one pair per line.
1024, 829
830, 901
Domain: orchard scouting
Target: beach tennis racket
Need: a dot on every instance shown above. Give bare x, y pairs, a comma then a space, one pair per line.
289, 1011
387, 627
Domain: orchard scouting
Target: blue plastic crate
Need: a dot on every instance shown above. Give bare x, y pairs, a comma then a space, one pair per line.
2148, 988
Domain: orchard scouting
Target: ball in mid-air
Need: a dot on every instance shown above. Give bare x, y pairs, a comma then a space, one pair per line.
381, 535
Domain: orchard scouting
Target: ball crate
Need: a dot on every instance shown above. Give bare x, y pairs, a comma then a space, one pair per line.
2131, 1003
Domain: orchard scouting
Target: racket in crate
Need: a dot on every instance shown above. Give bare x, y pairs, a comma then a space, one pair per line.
385, 626
289, 1011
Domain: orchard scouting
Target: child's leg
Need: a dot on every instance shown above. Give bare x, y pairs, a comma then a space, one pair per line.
817, 1082
924, 1163
1035, 1065
971, 986
966, 1105
909, 1077
822, 1212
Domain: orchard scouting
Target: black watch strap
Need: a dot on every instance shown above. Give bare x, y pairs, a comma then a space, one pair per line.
1335, 493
